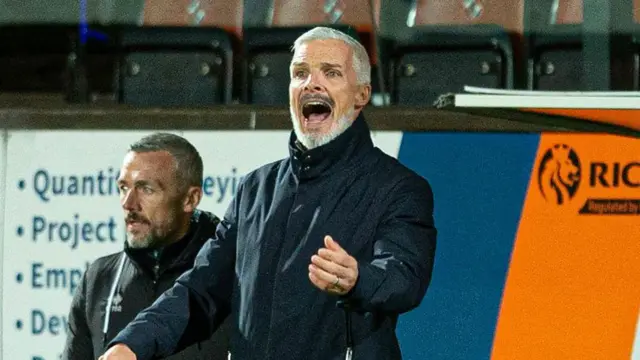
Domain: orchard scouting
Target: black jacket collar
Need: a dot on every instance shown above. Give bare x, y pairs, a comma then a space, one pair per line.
353, 142
175, 255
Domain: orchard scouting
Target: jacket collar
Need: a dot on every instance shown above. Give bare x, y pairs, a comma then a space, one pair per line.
308, 164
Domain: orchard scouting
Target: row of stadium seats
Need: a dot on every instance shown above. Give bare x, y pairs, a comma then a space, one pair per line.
202, 52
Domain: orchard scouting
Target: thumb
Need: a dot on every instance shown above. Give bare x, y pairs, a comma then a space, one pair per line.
331, 244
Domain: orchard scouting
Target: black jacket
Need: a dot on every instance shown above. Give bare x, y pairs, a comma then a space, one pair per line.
256, 268
144, 276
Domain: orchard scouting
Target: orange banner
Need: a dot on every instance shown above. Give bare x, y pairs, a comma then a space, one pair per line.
573, 286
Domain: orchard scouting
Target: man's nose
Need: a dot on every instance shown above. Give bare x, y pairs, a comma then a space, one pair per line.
129, 201
314, 83
314, 87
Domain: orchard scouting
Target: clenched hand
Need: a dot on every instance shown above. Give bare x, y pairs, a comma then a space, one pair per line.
118, 352
332, 269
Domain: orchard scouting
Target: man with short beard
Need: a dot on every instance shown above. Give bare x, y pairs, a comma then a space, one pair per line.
319, 253
160, 187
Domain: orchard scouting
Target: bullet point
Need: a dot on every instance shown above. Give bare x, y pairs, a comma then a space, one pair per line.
19, 324
21, 184
19, 277
20, 231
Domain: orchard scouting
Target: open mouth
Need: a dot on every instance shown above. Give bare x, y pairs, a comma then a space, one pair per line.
316, 110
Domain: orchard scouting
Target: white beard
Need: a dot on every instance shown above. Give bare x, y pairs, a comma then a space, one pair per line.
314, 140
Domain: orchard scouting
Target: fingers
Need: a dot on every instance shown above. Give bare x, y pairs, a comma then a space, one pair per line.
327, 282
320, 284
340, 258
322, 274
331, 267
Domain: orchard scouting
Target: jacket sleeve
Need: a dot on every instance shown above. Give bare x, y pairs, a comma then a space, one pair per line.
196, 305
397, 278
79, 345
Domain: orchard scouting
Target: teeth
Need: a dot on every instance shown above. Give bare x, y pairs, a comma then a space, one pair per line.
316, 103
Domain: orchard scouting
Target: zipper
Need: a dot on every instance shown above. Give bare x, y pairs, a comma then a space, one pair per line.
346, 306
349, 353
156, 272
156, 277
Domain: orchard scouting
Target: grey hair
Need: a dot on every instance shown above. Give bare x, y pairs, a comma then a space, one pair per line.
189, 167
361, 64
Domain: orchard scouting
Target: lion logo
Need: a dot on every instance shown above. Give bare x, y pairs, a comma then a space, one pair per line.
559, 174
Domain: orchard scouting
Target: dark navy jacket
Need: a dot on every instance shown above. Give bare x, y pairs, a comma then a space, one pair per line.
256, 268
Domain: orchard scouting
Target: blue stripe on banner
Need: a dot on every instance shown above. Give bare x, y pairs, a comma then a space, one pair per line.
479, 183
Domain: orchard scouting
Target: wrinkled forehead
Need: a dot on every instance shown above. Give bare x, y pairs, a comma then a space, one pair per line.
317, 53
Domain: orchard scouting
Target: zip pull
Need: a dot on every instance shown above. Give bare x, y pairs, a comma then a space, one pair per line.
346, 306
349, 354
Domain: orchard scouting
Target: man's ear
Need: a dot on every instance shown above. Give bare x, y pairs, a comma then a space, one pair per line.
363, 95
192, 199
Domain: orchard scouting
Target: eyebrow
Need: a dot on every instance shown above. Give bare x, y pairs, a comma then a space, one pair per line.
324, 65
329, 65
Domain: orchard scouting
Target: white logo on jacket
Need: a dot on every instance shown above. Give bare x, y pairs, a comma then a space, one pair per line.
116, 305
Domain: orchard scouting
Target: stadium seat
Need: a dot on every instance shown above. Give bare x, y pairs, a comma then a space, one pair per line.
93, 66
555, 49
354, 13
35, 58
267, 42
175, 66
226, 14
300, 13
508, 14
449, 44
567, 12
54, 59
